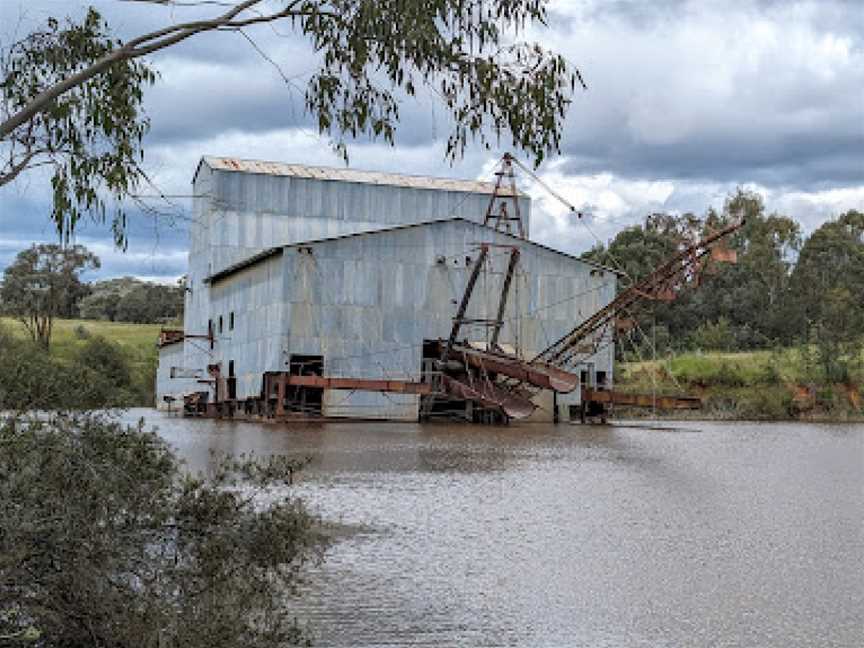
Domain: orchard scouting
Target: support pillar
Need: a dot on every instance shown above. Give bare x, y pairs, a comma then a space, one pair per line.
280, 395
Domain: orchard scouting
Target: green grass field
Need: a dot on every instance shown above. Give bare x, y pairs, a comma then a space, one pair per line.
138, 342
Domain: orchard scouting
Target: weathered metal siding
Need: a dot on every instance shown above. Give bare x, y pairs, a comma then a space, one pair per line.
256, 343
367, 302
249, 212
238, 214
197, 303
173, 356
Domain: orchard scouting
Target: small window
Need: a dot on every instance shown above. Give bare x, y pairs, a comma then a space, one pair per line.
220, 323
601, 378
231, 321
210, 327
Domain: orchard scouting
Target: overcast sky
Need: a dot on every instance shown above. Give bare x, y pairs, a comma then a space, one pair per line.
685, 102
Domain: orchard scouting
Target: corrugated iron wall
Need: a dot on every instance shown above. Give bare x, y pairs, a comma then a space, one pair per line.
366, 303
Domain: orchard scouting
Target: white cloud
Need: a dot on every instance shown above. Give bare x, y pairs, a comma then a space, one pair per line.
611, 203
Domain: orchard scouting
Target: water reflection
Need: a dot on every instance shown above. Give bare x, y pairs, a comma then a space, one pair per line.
712, 534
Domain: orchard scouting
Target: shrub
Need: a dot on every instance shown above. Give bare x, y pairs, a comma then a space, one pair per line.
107, 359
29, 377
98, 376
82, 332
104, 541
768, 403
714, 336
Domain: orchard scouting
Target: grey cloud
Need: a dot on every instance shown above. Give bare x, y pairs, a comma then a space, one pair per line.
157, 246
708, 94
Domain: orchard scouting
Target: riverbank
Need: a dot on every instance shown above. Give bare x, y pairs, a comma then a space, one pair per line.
72, 343
777, 385
773, 385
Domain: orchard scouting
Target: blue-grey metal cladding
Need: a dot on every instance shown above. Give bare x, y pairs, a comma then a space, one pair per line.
364, 302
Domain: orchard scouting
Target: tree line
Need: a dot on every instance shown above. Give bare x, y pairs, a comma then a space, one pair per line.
44, 282
785, 288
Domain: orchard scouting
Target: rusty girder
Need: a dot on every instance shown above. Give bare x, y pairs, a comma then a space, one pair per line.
560, 352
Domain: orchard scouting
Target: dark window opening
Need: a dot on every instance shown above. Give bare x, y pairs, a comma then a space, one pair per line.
231, 321
583, 377
601, 378
307, 400
232, 381
220, 323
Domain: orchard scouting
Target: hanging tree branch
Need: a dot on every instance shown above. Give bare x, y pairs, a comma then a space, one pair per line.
79, 91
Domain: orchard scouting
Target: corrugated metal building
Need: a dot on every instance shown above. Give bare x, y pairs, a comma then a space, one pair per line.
356, 270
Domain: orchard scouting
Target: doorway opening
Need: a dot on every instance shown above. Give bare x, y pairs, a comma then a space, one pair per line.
306, 400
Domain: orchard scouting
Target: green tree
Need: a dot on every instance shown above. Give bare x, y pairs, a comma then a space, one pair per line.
71, 93
103, 366
714, 336
751, 294
636, 252
750, 297
827, 291
100, 304
38, 284
128, 299
106, 541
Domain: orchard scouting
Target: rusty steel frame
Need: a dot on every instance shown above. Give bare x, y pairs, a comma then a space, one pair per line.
502, 215
466, 297
639, 400
359, 384
538, 375
505, 291
559, 352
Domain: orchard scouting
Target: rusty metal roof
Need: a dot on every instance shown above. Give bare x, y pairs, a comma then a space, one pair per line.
350, 175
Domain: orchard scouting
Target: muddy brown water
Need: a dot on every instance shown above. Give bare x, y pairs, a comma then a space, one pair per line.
707, 534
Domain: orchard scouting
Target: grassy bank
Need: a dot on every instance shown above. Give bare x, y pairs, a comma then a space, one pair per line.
136, 341
771, 385
780, 384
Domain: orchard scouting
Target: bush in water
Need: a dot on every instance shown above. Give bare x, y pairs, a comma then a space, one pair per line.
105, 541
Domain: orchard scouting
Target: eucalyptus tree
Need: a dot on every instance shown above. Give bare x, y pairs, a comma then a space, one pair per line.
40, 283
71, 93
827, 290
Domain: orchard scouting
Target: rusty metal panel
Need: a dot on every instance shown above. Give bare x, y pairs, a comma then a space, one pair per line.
360, 384
641, 400
488, 394
346, 175
724, 255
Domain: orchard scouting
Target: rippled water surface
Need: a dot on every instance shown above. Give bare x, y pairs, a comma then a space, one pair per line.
708, 534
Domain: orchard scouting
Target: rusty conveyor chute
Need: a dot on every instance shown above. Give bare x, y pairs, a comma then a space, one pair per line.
538, 375
489, 394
